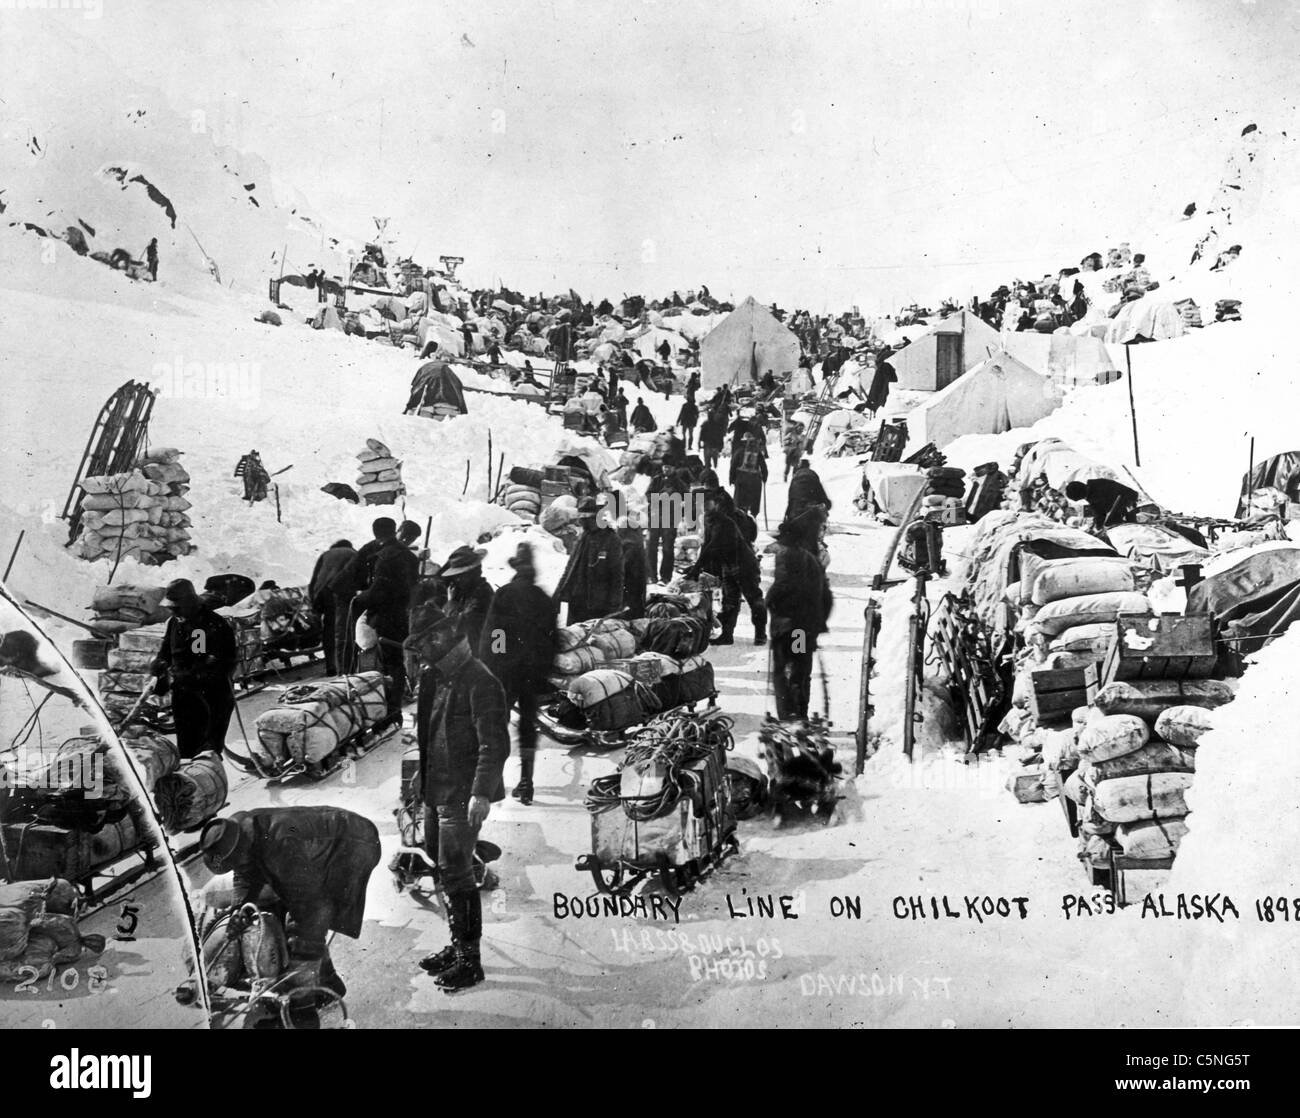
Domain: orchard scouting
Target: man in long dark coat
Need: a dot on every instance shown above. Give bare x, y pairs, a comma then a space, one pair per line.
798, 602
884, 376
330, 592
387, 601
592, 582
195, 663
517, 646
806, 490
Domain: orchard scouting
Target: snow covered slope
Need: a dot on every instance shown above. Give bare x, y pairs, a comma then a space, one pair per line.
89, 147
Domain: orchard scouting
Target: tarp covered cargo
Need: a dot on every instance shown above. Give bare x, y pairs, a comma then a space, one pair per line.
1255, 599
1149, 318
1281, 472
435, 384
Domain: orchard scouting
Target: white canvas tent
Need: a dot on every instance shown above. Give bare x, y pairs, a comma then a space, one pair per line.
745, 345
1066, 357
647, 343
999, 394
937, 358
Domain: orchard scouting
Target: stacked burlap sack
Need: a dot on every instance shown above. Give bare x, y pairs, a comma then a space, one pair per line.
379, 475
127, 675
312, 720
141, 514
38, 929
119, 608
1130, 757
1068, 607
523, 492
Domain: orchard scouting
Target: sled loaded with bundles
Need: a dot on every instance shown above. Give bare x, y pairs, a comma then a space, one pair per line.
667, 812
611, 674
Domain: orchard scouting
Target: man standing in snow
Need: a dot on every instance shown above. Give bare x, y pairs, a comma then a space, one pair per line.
687, 418
748, 475
330, 592
196, 660
666, 503
518, 646
798, 602
386, 602
463, 733
642, 420
151, 258
806, 490
727, 555
592, 582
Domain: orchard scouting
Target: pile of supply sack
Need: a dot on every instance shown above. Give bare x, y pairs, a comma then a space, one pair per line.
141, 514
379, 476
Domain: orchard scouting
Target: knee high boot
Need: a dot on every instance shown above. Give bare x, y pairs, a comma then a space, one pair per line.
466, 913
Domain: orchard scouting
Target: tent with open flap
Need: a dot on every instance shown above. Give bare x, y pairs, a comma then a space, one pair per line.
745, 345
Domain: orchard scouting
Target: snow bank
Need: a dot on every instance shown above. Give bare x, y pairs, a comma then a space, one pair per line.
1244, 835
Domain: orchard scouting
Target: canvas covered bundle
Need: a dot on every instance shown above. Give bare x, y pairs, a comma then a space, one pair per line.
38, 929
193, 794
313, 720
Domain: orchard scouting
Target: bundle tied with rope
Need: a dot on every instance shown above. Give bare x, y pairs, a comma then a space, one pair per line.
657, 767
313, 720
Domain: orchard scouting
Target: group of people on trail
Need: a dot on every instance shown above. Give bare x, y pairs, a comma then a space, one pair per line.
469, 654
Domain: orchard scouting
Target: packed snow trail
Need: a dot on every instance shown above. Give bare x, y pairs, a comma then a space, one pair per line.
901, 831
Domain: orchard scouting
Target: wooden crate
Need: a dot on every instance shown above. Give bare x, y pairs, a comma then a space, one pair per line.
1056, 692
1166, 647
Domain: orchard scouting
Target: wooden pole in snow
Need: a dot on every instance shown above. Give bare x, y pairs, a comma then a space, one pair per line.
14, 554
1128, 358
1249, 484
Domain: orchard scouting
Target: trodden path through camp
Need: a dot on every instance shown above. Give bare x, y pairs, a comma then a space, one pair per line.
840, 954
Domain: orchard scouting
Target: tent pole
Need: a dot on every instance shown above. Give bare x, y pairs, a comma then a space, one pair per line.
1128, 358
1250, 479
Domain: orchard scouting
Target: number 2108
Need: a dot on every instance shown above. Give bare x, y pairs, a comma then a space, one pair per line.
68, 980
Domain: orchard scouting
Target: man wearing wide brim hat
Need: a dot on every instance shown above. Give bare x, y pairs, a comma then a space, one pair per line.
462, 729
468, 592
195, 664
316, 860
